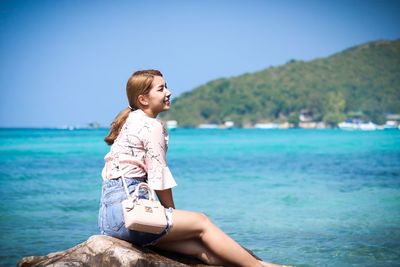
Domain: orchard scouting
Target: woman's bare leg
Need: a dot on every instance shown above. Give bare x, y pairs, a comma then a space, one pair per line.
192, 247
195, 248
192, 225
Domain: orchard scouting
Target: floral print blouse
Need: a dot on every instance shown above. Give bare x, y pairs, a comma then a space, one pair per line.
140, 150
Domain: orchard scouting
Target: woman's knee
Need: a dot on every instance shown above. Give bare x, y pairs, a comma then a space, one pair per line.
200, 222
203, 218
192, 223
204, 222
208, 258
204, 257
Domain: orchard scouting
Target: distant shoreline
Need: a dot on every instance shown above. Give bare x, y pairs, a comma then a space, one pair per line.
195, 128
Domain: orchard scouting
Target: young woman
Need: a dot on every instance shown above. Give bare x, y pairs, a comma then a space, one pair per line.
138, 147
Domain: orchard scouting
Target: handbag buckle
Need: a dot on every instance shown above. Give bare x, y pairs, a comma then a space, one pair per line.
148, 209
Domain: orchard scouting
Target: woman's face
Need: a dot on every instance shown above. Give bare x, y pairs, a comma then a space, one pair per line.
158, 98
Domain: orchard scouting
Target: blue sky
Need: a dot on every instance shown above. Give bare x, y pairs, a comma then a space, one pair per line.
67, 62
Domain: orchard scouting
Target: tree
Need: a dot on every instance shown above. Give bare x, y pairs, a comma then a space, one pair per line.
335, 104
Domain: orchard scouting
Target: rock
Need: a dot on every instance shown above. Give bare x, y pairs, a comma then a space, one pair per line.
101, 250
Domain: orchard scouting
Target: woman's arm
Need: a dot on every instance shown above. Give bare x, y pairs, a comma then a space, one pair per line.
166, 198
159, 177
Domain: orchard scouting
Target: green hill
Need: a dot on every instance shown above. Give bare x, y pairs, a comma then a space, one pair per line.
363, 80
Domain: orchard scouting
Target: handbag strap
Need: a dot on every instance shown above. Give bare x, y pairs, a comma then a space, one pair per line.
125, 186
136, 193
147, 187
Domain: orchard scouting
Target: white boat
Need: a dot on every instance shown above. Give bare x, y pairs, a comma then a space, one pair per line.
172, 124
229, 124
207, 126
364, 126
349, 126
266, 126
369, 126
390, 125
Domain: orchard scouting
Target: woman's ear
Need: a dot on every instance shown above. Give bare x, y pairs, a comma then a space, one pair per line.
143, 100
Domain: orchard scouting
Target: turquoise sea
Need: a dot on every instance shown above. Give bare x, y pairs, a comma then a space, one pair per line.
301, 197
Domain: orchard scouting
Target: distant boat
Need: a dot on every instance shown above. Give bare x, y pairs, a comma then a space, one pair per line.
207, 126
369, 126
266, 126
349, 126
390, 125
93, 125
229, 124
172, 124
364, 126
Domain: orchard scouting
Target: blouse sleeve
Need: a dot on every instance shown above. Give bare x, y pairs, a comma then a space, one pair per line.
159, 176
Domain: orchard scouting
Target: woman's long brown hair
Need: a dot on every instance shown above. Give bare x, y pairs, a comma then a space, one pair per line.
138, 84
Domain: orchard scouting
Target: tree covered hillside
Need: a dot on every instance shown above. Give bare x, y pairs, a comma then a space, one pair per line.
363, 80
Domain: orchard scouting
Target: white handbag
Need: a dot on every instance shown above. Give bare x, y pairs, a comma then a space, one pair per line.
143, 215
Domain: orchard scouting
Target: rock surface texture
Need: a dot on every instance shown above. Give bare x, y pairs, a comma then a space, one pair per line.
100, 250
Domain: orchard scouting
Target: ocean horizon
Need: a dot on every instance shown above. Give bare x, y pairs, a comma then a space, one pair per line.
301, 197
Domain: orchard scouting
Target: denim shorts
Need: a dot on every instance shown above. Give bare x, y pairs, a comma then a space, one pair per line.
111, 219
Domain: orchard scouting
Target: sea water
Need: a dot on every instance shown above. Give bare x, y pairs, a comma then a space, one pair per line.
300, 197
